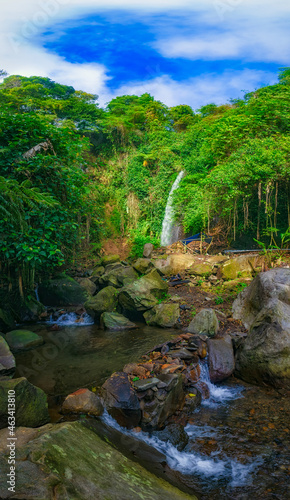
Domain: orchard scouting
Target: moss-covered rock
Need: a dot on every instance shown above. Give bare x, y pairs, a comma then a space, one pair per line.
105, 300
30, 311
31, 403
63, 291
163, 315
23, 340
87, 285
200, 269
240, 267
69, 461
110, 259
117, 276
7, 360
143, 265
143, 294
116, 321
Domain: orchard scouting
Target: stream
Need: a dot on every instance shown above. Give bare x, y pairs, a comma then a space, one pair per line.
237, 439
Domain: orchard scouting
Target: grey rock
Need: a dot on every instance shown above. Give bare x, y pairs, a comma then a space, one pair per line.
204, 323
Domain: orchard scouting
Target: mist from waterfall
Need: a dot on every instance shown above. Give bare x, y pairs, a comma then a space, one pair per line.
170, 230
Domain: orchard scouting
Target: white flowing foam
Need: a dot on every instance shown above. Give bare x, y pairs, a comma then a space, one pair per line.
169, 232
189, 463
72, 319
218, 394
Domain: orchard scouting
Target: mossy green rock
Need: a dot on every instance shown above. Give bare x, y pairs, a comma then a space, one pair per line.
62, 291
68, 461
110, 259
23, 340
200, 269
31, 310
116, 321
142, 265
163, 315
87, 285
105, 300
31, 403
239, 267
116, 277
144, 293
7, 360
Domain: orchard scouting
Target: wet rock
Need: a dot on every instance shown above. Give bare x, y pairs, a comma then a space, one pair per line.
64, 291
31, 403
163, 315
174, 434
31, 310
104, 301
200, 344
23, 340
143, 265
182, 353
7, 360
193, 373
83, 401
193, 400
69, 461
87, 285
143, 385
121, 401
136, 370
143, 294
204, 323
147, 250
6, 320
203, 389
116, 321
166, 381
156, 412
221, 359
264, 308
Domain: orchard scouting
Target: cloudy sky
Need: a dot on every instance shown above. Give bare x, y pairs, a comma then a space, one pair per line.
182, 52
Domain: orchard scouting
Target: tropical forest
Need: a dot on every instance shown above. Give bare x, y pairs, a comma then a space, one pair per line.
144, 294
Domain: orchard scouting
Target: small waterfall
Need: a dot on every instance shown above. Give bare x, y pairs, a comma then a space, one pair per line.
169, 232
36, 293
218, 394
71, 319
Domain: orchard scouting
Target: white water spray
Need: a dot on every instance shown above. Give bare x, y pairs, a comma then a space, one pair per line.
169, 232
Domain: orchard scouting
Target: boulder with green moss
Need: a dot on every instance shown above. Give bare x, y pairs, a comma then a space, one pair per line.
88, 285
116, 321
243, 266
69, 461
201, 268
143, 294
110, 259
163, 315
204, 323
23, 340
30, 403
143, 265
105, 300
7, 360
62, 291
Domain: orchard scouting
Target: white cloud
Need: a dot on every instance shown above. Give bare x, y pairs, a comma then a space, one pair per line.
199, 90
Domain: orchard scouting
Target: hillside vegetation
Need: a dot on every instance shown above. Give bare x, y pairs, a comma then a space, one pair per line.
73, 174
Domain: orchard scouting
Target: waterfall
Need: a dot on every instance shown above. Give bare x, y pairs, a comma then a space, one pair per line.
36, 293
169, 232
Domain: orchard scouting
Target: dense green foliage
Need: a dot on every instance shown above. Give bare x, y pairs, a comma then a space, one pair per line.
72, 174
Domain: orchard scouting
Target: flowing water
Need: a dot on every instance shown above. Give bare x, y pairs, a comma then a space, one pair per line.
238, 438
170, 230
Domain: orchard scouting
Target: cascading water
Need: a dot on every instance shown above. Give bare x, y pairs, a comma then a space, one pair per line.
170, 230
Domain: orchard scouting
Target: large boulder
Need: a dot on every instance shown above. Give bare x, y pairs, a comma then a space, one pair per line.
163, 267
143, 294
116, 321
87, 285
105, 300
117, 276
83, 401
69, 461
30, 403
164, 315
63, 291
200, 269
7, 360
240, 267
23, 340
204, 323
121, 401
174, 434
181, 262
30, 311
147, 250
143, 265
264, 308
110, 259
221, 360
6, 320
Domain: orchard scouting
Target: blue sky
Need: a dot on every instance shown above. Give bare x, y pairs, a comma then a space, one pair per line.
182, 52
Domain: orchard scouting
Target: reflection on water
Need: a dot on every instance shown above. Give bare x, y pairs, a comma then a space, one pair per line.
75, 357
